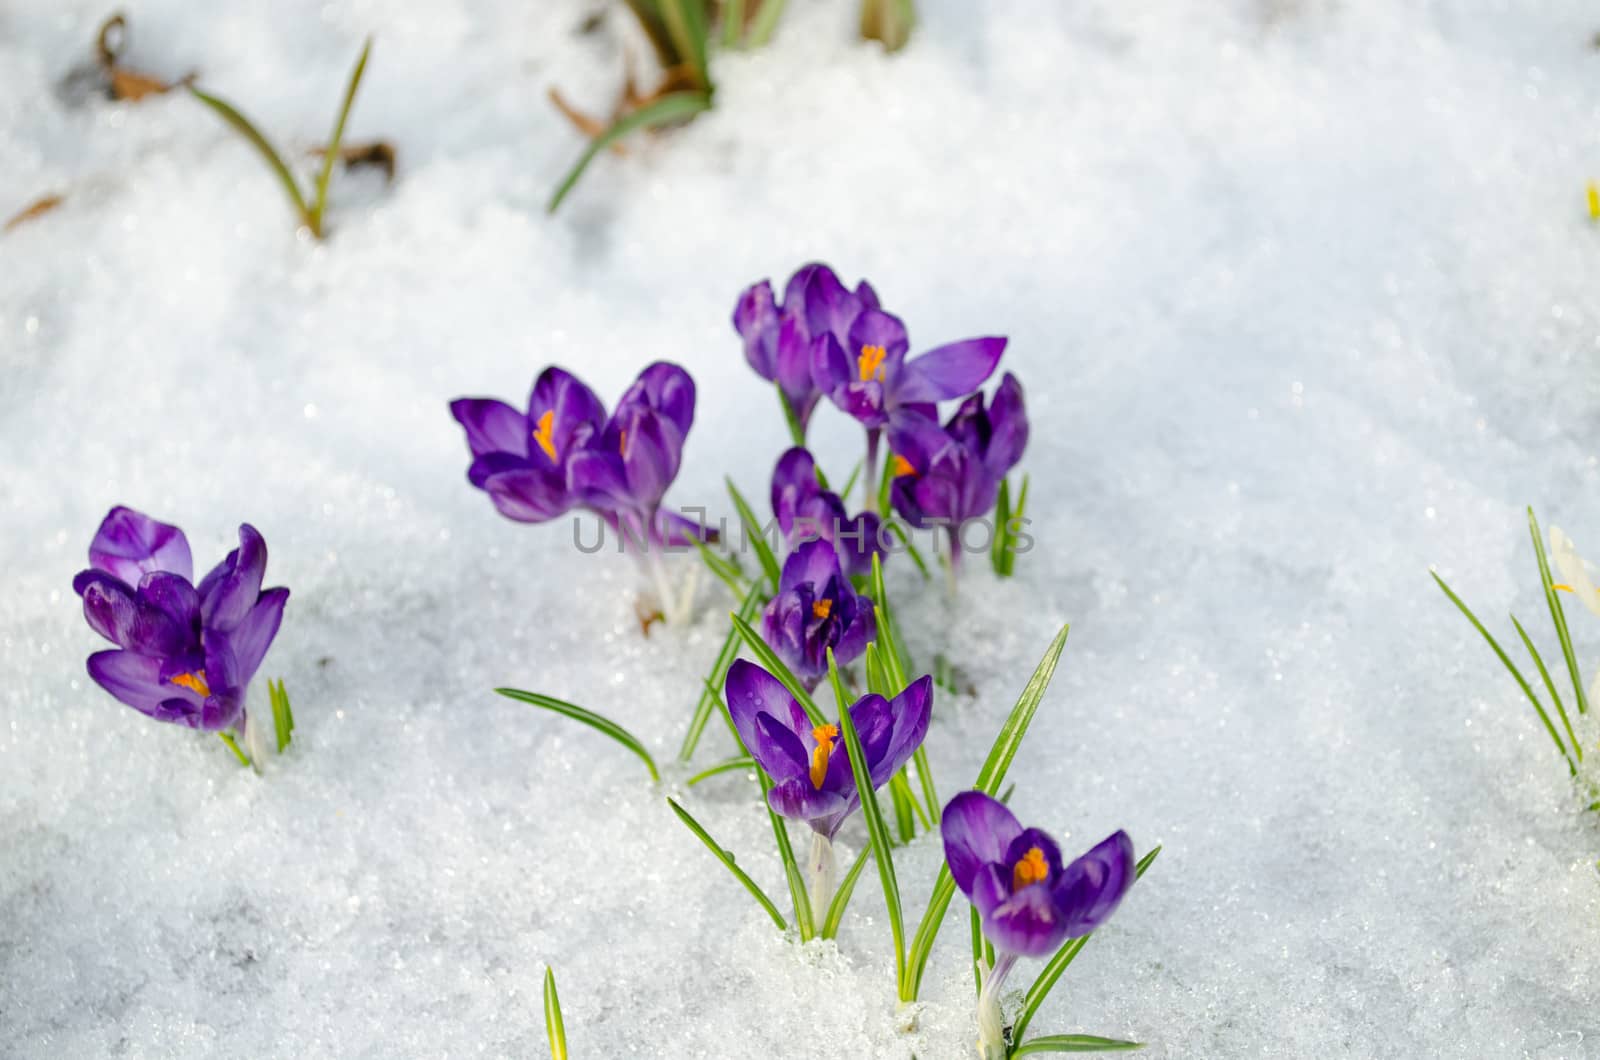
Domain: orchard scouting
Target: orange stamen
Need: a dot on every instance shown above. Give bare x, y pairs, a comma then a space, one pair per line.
194, 682
870, 363
821, 608
902, 467
622, 443
547, 420
825, 735
1031, 869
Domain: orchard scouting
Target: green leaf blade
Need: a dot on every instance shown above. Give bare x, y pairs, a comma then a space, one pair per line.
675, 106
726, 858
242, 125
589, 718
1074, 1043
320, 202
1016, 725
554, 1027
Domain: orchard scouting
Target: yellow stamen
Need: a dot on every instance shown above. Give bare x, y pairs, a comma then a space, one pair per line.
622, 443
1031, 869
1563, 588
1594, 201
547, 421
824, 735
821, 608
870, 363
902, 467
194, 682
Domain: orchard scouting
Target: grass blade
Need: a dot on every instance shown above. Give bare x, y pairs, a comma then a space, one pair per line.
648, 14
900, 795
1002, 520
1550, 686
282, 714
320, 202
686, 24
675, 106
797, 431
763, 547
841, 897
1017, 517
777, 668
553, 1026
763, 24
1016, 726
727, 860
877, 831
727, 765
587, 717
710, 695
732, 22
979, 965
1074, 1043
1057, 964
1510, 666
724, 569
944, 888
1558, 615
263, 146
911, 549
850, 483
889, 21
799, 896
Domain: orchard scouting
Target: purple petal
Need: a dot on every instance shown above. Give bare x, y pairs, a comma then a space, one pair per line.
254, 634
779, 751
799, 800
874, 327
1089, 890
991, 885
577, 414
667, 389
950, 371
863, 401
136, 681
1008, 427
489, 464
911, 710
815, 296
793, 481
814, 563
977, 829
529, 496
230, 590
755, 318
651, 449
831, 367
130, 544
109, 608
792, 367
492, 426
861, 628
1027, 923
749, 691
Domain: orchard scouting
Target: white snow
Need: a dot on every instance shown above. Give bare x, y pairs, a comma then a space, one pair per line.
1305, 299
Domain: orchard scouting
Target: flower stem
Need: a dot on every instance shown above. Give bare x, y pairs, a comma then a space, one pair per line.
991, 1023
869, 476
234, 747
819, 869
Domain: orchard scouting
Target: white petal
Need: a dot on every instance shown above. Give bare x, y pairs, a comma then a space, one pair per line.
1574, 572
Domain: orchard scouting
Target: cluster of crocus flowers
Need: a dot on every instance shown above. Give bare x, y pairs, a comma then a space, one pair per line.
825, 340
807, 512
809, 764
185, 653
947, 475
563, 452
817, 609
778, 336
1027, 901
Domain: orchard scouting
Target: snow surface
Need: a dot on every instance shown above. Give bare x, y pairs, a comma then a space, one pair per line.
1305, 300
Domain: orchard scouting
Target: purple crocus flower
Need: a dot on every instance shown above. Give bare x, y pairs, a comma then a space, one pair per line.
522, 459
185, 653
564, 452
807, 512
808, 764
816, 609
865, 372
947, 475
778, 337
1028, 901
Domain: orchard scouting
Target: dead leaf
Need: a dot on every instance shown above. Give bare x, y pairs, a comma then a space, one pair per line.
125, 84
38, 208
379, 154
